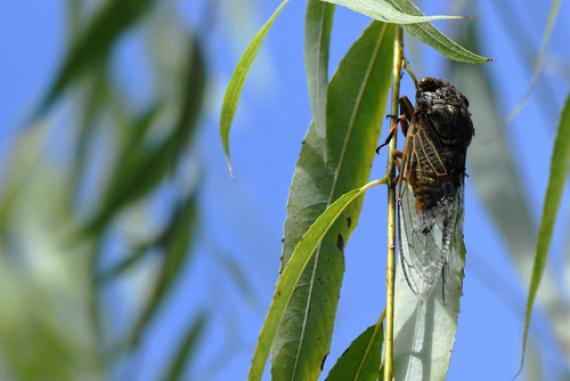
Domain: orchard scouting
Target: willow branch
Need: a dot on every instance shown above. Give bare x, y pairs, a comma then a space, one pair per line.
391, 257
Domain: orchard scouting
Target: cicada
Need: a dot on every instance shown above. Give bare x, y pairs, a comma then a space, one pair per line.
430, 181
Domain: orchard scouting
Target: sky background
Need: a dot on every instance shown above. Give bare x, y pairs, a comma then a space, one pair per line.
245, 216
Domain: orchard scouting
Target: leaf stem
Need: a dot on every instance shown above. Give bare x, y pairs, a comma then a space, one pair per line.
391, 254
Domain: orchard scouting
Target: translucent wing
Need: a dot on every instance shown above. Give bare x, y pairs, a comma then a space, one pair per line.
428, 237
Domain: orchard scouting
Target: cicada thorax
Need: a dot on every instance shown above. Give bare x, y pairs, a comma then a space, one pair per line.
437, 140
430, 211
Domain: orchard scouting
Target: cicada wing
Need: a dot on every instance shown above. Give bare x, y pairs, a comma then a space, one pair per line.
428, 239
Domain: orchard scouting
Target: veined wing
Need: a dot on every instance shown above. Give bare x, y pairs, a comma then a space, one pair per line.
427, 236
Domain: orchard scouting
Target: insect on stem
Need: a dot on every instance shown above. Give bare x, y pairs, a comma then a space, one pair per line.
397, 63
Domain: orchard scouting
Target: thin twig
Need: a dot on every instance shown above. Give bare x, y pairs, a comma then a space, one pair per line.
391, 257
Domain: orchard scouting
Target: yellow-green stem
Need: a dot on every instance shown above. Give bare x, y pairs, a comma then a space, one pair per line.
391, 257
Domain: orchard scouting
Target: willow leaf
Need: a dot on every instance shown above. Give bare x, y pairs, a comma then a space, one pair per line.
355, 105
187, 348
382, 10
93, 45
552, 15
361, 360
559, 168
318, 27
140, 168
434, 38
497, 179
233, 91
175, 244
291, 274
424, 331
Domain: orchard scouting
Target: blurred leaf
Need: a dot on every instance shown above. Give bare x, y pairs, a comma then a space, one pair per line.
361, 360
141, 169
233, 91
356, 102
559, 168
123, 266
92, 104
554, 8
176, 243
237, 275
492, 161
382, 10
318, 27
43, 332
533, 366
187, 348
129, 174
288, 282
93, 46
23, 158
424, 331
496, 176
434, 38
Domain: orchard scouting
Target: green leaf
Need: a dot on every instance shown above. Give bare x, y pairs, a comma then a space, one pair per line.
176, 244
382, 10
94, 45
233, 91
237, 275
361, 360
434, 38
424, 331
96, 92
497, 179
559, 168
318, 27
288, 281
123, 266
140, 169
355, 106
186, 349
491, 159
552, 15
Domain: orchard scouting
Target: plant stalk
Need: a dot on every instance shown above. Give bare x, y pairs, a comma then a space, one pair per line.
391, 257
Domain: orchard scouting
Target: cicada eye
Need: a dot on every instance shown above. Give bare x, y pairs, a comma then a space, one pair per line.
429, 84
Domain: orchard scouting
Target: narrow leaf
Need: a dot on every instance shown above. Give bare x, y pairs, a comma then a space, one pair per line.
187, 348
361, 360
382, 10
93, 46
291, 274
559, 168
318, 27
498, 181
424, 331
434, 38
140, 169
233, 92
552, 15
123, 266
92, 103
176, 245
355, 104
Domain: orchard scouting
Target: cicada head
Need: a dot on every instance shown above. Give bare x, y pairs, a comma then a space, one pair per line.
447, 108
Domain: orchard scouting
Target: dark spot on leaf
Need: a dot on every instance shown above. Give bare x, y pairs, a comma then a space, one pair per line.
323, 361
320, 280
348, 221
340, 242
282, 240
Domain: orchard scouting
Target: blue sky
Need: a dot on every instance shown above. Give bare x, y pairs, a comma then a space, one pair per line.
246, 215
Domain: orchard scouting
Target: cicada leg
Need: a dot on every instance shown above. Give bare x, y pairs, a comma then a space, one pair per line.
406, 115
397, 156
